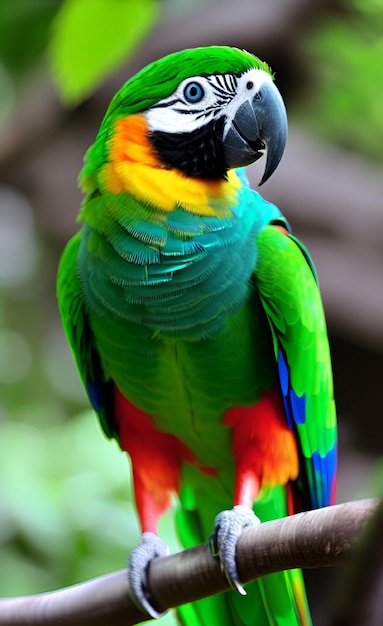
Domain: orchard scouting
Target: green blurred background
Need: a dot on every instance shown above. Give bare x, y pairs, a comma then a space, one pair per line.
66, 511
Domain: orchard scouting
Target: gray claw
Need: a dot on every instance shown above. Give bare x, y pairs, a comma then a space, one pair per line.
151, 546
228, 527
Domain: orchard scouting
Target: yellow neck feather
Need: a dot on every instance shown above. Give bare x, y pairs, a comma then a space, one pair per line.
134, 168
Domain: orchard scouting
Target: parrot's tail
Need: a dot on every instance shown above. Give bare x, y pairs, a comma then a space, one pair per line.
275, 600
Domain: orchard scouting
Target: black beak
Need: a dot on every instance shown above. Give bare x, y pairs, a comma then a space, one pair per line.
259, 125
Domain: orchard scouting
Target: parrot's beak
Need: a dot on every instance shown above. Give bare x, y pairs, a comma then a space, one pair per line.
259, 126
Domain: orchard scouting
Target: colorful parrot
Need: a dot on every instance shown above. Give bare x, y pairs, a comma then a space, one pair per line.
196, 322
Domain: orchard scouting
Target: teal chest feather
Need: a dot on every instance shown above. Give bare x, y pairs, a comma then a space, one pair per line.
188, 288
182, 275
174, 310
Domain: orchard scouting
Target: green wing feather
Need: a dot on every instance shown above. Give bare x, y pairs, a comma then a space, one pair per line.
288, 288
76, 328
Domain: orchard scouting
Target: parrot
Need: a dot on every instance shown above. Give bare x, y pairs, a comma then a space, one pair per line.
196, 322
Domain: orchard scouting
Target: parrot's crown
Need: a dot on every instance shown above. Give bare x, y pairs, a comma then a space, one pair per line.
160, 78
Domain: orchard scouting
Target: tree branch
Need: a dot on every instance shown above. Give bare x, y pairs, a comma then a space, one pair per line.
314, 539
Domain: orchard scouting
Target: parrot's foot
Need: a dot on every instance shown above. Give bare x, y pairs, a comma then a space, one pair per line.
151, 546
228, 527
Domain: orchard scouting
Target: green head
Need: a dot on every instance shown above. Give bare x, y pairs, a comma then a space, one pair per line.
162, 77
207, 109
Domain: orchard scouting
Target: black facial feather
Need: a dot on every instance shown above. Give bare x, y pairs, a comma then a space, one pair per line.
198, 154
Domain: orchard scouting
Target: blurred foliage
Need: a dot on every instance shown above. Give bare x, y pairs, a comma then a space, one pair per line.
65, 515
345, 54
86, 40
25, 33
90, 39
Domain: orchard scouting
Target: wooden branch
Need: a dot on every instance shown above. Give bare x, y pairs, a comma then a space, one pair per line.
320, 538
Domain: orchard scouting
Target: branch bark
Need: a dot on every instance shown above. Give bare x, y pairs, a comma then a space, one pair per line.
314, 539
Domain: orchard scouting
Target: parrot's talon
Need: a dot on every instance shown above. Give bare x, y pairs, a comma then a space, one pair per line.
151, 547
228, 527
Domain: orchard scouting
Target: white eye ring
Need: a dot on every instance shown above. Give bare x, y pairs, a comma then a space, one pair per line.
194, 92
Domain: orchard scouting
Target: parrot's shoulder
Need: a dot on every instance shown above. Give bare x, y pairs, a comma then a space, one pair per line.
254, 207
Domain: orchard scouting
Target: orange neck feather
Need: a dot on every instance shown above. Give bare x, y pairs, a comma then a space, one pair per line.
134, 168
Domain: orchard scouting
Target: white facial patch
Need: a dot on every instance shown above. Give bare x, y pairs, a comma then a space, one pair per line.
201, 99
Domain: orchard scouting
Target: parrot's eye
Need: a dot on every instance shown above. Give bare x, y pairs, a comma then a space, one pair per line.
194, 92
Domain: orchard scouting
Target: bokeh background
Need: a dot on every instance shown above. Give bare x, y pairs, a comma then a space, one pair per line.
66, 511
